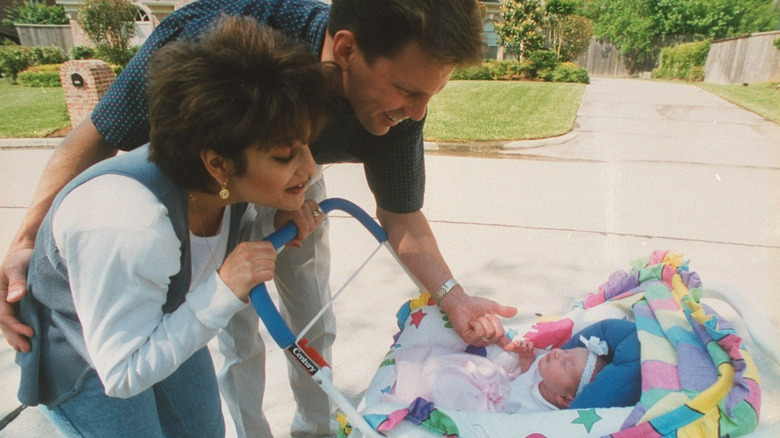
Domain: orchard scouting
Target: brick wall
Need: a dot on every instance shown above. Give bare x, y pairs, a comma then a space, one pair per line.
84, 82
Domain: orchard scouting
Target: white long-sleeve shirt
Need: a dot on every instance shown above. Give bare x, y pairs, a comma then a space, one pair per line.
121, 250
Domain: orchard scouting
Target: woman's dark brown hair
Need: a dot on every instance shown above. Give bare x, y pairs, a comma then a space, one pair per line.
241, 85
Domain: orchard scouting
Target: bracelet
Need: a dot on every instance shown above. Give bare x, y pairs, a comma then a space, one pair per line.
444, 290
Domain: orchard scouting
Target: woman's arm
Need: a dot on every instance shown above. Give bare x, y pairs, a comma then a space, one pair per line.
120, 254
82, 148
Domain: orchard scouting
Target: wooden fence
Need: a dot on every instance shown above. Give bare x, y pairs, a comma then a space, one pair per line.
603, 59
44, 35
749, 59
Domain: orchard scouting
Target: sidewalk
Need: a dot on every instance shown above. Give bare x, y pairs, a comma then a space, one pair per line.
648, 165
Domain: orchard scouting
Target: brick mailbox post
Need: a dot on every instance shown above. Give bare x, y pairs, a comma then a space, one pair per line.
84, 82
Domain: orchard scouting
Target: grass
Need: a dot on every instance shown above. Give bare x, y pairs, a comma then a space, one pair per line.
31, 112
465, 111
497, 110
762, 99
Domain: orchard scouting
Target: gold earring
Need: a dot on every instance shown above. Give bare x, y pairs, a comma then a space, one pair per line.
224, 193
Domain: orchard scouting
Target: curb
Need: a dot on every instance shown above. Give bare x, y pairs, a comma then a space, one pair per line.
500, 146
37, 143
476, 147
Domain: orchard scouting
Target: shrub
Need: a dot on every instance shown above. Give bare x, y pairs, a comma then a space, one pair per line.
576, 34
777, 43
543, 60
496, 70
110, 24
26, 12
511, 70
47, 75
113, 57
569, 72
15, 59
473, 73
684, 61
82, 52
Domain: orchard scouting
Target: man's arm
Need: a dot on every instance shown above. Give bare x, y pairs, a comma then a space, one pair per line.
80, 149
475, 319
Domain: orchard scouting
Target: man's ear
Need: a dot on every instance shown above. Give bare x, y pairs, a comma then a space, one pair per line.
344, 48
219, 167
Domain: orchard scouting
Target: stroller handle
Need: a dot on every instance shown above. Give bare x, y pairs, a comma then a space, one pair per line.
262, 302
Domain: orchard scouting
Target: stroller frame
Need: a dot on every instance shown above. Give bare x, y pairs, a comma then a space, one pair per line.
308, 357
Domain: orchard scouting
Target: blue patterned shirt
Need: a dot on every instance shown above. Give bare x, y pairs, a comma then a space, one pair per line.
394, 163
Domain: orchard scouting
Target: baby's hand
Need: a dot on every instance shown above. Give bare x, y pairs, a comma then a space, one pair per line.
525, 353
525, 348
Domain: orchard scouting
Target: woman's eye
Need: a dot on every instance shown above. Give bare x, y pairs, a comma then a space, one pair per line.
286, 158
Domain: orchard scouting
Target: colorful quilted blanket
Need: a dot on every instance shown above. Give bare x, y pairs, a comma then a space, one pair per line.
697, 378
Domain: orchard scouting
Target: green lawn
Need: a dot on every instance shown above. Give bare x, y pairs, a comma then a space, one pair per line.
498, 110
465, 111
762, 99
31, 112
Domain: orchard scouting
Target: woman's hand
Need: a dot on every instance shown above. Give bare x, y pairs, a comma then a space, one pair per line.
306, 219
248, 265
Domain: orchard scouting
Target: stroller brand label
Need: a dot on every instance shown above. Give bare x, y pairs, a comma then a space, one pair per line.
303, 359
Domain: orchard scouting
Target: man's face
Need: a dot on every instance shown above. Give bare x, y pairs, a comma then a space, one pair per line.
392, 89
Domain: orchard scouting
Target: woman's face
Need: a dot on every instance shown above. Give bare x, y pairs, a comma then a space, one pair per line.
276, 177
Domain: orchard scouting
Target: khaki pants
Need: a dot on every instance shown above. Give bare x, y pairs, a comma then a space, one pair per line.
302, 280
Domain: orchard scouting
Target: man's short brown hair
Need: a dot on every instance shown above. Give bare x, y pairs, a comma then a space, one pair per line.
449, 30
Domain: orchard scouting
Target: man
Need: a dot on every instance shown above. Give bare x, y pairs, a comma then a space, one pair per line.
394, 55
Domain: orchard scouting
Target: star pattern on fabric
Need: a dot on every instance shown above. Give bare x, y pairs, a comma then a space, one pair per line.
587, 418
417, 318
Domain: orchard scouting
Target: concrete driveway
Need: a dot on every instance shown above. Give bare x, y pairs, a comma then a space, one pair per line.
649, 165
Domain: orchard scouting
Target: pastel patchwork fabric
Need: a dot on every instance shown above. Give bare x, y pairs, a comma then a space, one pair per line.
697, 378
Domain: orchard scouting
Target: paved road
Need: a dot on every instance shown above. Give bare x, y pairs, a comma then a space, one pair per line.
648, 165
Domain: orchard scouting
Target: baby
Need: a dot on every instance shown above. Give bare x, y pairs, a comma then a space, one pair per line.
553, 379
516, 380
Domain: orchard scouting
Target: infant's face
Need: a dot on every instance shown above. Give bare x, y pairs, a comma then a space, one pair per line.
562, 370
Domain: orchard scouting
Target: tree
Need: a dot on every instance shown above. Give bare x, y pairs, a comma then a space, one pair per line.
556, 12
520, 31
637, 27
576, 33
110, 24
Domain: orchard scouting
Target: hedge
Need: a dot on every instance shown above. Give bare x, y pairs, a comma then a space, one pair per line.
47, 75
15, 59
541, 65
684, 61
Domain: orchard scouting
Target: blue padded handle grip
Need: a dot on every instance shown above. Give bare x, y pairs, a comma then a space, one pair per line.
262, 302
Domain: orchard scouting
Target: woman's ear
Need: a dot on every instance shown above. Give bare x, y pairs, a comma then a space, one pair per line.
219, 167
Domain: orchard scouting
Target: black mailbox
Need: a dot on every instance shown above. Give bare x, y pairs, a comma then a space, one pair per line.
77, 80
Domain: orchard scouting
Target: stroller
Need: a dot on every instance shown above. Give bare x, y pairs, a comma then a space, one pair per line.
735, 412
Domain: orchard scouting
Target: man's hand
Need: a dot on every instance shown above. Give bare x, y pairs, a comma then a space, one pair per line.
306, 219
13, 286
476, 319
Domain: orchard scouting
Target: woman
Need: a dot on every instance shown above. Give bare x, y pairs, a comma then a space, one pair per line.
137, 265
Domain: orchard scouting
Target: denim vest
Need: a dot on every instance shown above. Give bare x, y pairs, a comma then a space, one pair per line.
58, 362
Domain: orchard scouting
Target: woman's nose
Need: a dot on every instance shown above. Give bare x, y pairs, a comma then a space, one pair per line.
307, 165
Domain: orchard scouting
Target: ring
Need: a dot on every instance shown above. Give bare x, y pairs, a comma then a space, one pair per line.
316, 212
